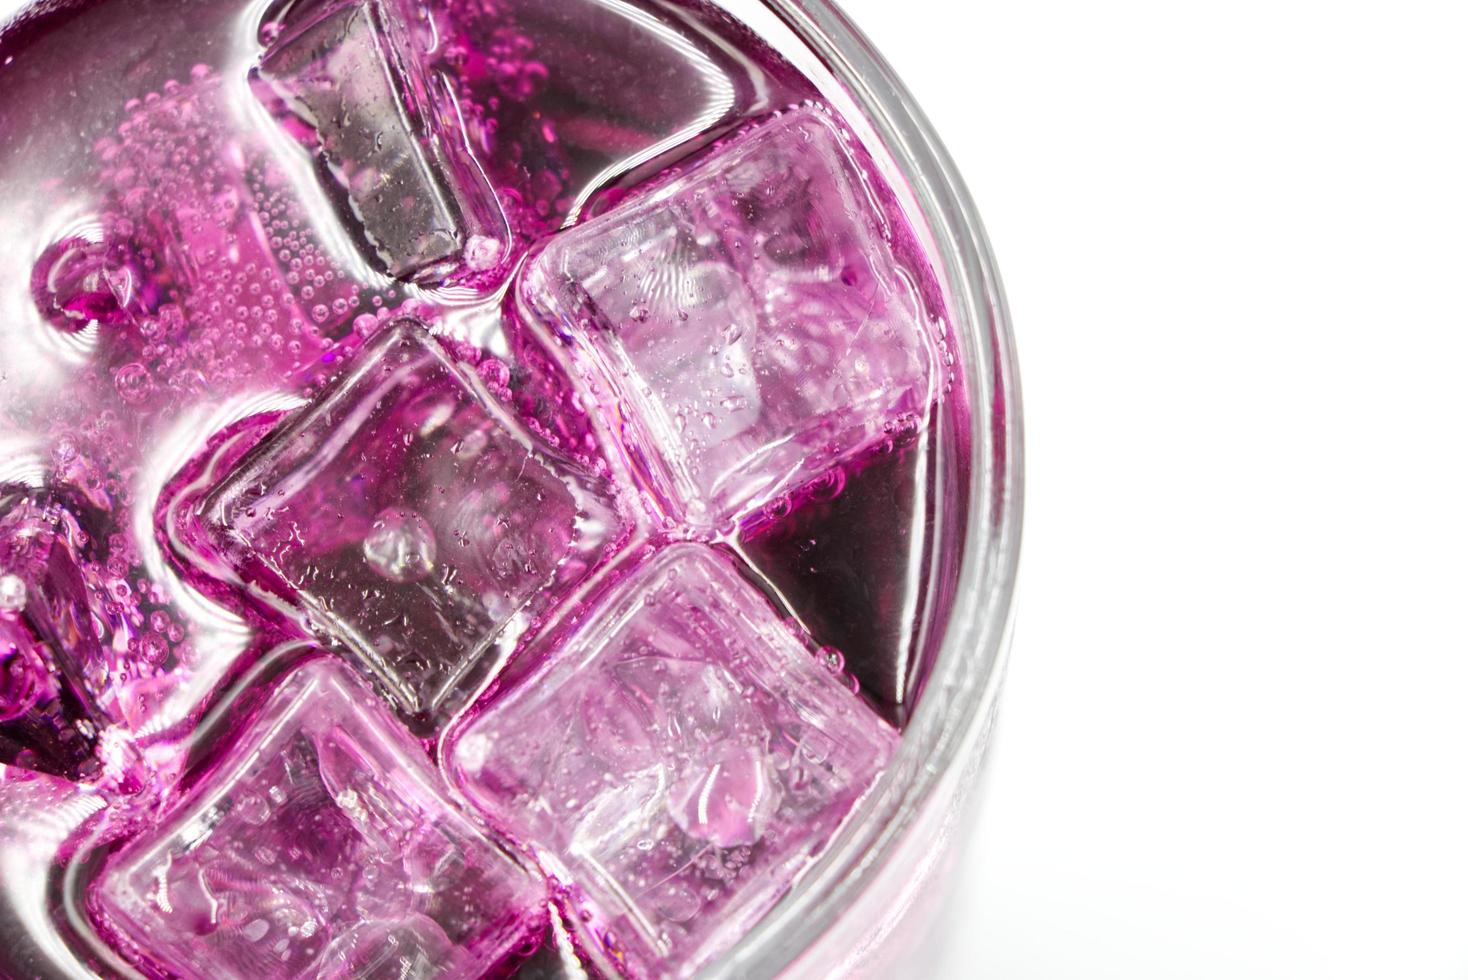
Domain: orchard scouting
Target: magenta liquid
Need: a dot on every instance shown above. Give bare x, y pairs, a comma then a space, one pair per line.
478, 486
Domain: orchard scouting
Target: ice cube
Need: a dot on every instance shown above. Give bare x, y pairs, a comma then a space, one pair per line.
320, 846
842, 550
413, 516
352, 83
49, 717
750, 316
701, 757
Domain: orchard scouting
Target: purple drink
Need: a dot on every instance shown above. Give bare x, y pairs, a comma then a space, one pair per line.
479, 484
706, 753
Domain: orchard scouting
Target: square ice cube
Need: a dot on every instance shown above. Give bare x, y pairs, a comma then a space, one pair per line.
350, 81
750, 318
415, 518
320, 846
677, 761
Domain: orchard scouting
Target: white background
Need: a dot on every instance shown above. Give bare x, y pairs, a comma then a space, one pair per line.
1234, 741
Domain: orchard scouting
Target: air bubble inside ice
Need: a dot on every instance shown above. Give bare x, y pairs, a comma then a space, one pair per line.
401, 546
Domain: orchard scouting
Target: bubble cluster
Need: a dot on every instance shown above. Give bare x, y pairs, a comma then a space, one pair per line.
230, 256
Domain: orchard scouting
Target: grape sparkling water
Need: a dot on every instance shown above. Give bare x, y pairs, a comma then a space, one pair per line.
470, 480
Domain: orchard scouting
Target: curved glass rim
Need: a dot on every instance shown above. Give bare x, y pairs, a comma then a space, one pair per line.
958, 701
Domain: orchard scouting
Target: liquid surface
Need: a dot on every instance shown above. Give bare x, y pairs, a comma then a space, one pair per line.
476, 486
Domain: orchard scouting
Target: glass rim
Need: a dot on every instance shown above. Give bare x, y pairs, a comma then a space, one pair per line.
958, 701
